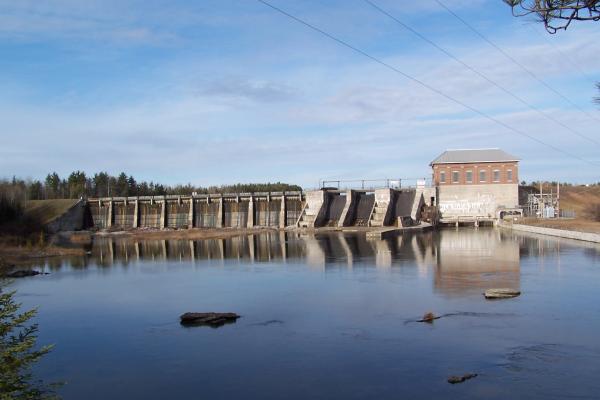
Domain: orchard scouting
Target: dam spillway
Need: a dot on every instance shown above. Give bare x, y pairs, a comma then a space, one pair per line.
197, 211
311, 209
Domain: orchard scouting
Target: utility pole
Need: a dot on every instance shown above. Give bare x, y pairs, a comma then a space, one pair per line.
558, 198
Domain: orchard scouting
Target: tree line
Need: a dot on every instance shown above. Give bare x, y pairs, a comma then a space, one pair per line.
102, 184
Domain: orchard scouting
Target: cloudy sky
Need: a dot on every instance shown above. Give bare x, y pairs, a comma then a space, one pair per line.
215, 92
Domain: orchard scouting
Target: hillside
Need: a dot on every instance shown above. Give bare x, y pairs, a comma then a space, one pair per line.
579, 198
45, 211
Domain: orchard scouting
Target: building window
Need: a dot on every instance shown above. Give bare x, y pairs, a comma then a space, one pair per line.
442, 176
455, 176
509, 175
482, 176
469, 176
496, 175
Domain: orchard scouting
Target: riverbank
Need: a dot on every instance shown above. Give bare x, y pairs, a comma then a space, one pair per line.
12, 256
563, 233
576, 224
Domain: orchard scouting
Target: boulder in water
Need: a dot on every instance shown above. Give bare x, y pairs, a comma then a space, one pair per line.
211, 319
503, 293
459, 379
22, 273
428, 317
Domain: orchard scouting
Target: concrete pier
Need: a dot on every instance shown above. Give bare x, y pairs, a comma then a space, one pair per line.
378, 208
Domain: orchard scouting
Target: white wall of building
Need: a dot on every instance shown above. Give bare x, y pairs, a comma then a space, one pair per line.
476, 200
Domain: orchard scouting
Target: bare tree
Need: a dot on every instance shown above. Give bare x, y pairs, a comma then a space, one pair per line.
557, 14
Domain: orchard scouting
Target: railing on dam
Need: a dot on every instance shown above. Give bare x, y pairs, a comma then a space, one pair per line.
373, 184
239, 210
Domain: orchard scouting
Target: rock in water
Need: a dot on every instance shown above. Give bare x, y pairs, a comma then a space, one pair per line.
428, 317
459, 379
22, 273
211, 319
501, 293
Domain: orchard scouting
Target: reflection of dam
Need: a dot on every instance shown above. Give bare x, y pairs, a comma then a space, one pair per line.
459, 261
471, 261
316, 250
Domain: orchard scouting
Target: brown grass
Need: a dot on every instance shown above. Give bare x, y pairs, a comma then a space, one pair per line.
47, 210
578, 198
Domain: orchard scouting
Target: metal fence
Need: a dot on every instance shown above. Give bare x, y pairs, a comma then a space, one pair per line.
372, 184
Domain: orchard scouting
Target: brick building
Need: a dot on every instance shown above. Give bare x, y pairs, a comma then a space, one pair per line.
476, 184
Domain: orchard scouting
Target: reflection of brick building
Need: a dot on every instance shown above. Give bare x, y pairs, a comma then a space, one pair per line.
476, 184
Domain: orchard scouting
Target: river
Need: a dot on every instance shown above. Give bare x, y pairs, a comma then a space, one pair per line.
329, 316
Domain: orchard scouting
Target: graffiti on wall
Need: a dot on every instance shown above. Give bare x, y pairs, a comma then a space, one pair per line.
480, 205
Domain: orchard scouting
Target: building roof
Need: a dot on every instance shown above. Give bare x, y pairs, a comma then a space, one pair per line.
473, 156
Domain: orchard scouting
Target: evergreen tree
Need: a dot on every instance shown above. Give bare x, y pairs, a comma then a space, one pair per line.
52, 185
132, 186
76, 184
122, 188
17, 353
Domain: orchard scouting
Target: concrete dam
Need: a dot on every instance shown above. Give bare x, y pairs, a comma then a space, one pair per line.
311, 209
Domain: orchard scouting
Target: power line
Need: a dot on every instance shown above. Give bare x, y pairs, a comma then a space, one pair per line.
480, 74
512, 59
416, 80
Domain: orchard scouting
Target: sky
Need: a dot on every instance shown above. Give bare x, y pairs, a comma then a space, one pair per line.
217, 92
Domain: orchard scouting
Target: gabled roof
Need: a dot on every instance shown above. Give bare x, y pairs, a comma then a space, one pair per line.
473, 156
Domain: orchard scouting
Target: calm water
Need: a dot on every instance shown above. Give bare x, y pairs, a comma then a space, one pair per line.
325, 316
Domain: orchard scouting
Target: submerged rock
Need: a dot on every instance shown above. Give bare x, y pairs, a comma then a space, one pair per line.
459, 379
208, 319
503, 293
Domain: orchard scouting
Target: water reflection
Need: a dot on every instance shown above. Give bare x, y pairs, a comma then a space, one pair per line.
321, 250
322, 307
461, 262
470, 263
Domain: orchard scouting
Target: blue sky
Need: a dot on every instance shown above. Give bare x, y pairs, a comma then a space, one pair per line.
215, 92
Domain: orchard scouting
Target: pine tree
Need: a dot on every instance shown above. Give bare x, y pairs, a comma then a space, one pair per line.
17, 354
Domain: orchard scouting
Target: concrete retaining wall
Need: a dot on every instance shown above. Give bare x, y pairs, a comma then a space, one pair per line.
585, 236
